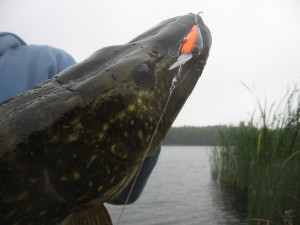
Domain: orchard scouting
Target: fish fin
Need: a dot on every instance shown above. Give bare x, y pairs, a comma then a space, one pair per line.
89, 215
182, 59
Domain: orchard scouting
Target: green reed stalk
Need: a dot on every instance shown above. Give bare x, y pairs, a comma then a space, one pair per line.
262, 159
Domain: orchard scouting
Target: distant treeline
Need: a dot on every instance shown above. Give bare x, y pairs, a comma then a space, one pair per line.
188, 135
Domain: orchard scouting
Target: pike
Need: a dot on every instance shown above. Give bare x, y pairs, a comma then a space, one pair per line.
75, 141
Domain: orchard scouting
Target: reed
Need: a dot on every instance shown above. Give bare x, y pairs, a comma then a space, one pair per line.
262, 159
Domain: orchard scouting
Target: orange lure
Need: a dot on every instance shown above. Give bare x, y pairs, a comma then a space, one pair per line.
191, 42
191, 47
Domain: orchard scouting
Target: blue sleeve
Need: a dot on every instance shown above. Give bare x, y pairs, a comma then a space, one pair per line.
141, 181
24, 66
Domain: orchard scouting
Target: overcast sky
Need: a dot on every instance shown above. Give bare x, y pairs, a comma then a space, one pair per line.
256, 42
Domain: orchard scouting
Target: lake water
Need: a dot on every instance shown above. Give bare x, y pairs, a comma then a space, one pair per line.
180, 191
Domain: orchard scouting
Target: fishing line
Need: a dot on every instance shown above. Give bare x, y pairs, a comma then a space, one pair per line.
173, 86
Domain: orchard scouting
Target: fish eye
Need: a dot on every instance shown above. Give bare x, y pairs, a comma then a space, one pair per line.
143, 76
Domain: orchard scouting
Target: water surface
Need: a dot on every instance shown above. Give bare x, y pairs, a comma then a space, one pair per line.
180, 191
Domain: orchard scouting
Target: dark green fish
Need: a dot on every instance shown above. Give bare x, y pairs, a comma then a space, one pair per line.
76, 141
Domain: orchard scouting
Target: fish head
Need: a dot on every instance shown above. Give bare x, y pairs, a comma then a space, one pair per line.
128, 86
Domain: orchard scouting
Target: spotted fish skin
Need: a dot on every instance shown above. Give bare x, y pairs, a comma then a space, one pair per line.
80, 136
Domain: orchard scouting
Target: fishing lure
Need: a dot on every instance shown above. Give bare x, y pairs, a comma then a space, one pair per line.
190, 47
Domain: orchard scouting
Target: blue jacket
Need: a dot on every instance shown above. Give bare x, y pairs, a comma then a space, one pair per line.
23, 66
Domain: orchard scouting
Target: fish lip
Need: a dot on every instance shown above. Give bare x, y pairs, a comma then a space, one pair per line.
186, 20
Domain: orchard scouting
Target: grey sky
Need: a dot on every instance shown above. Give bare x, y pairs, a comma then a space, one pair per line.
256, 42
